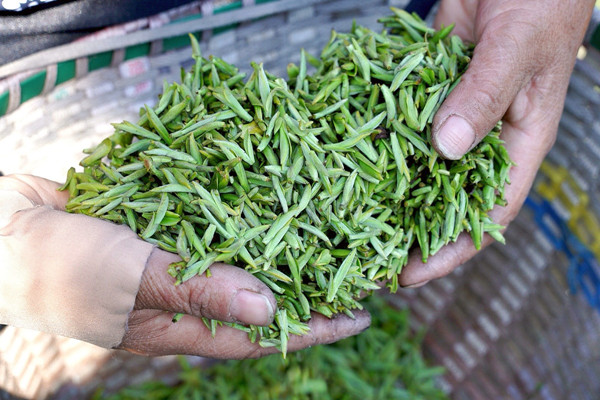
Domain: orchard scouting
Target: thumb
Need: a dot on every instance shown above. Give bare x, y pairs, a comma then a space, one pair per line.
39, 191
230, 294
498, 71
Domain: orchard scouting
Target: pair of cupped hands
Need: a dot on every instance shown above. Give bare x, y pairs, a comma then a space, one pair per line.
524, 55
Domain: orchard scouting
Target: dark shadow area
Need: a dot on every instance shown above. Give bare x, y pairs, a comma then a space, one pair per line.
22, 34
32, 7
7, 396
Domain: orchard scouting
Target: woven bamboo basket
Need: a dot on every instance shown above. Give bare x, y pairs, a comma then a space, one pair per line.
519, 321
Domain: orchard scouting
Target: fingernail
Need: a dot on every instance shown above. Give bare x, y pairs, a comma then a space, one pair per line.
416, 285
455, 137
251, 308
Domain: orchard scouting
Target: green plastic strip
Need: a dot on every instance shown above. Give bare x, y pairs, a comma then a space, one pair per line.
100, 60
138, 50
224, 28
65, 70
176, 42
3, 103
228, 7
32, 86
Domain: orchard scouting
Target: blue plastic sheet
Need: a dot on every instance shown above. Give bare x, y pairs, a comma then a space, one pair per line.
583, 273
421, 7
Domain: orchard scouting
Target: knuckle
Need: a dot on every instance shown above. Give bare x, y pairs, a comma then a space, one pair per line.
488, 102
143, 330
258, 352
334, 329
199, 301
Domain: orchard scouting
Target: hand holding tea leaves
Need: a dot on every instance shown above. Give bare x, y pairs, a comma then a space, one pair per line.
60, 274
320, 186
524, 55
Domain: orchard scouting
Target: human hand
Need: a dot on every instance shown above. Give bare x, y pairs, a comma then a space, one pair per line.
152, 332
524, 55
97, 281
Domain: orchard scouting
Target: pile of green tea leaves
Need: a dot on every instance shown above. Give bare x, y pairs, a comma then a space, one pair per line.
320, 185
384, 362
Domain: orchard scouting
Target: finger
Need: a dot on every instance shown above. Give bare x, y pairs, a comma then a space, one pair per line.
528, 158
40, 191
461, 13
230, 294
153, 333
529, 127
417, 273
325, 330
529, 136
502, 63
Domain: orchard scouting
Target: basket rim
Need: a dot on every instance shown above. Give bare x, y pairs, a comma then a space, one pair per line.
40, 72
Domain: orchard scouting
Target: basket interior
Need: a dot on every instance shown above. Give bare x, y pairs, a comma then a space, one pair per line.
514, 322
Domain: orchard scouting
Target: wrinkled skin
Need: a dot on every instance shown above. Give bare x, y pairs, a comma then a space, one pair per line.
524, 55
150, 329
525, 52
